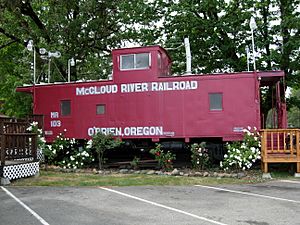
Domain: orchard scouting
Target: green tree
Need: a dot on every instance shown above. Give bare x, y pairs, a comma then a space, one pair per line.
102, 143
219, 33
86, 30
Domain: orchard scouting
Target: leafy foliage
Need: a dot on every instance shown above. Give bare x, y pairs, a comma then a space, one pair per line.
68, 153
135, 162
102, 143
200, 158
242, 155
33, 128
165, 159
88, 30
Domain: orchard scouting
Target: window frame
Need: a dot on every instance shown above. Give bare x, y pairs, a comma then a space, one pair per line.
61, 107
104, 109
134, 61
209, 102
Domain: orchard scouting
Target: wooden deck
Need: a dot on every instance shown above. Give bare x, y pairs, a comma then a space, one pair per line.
280, 146
18, 150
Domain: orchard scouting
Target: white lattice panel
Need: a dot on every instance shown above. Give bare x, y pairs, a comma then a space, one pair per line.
13, 172
40, 155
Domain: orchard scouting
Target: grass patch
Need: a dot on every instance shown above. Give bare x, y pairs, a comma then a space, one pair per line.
53, 178
282, 175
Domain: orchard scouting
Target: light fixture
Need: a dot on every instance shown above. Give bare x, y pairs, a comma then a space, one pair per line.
253, 26
56, 54
31, 48
71, 62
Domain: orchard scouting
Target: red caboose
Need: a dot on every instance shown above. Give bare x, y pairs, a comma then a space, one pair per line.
143, 103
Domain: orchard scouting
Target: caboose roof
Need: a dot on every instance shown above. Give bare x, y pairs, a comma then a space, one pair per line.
139, 49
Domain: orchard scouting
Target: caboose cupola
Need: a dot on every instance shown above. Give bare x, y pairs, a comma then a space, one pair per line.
140, 64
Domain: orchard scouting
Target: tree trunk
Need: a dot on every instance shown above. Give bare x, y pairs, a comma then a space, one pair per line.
100, 161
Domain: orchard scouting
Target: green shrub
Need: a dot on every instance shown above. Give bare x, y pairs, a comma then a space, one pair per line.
101, 143
200, 158
68, 153
242, 155
165, 159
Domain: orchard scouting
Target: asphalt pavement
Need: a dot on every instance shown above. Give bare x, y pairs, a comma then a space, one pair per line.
273, 202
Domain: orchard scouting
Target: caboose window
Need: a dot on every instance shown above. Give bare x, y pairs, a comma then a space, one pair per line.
100, 109
135, 61
127, 62
65, 107
216, 101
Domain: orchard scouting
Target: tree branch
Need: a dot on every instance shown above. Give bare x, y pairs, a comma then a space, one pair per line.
27, 10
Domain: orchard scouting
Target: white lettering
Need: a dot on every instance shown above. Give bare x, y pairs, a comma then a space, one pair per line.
134, 87
144, 87
91, 131
138, 87
176, 85
154, 86
96, 90
128, 131
54, 115
123, 88
80, 91
55, 123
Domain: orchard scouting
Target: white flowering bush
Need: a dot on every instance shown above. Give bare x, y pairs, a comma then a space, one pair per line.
68, 153
199, 158
33, 128
242, 155
78, 159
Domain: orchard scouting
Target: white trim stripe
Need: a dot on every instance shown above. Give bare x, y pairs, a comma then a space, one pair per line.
249, 194
163, 206
25, 206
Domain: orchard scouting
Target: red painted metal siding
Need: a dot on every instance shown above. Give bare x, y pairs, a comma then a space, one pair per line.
180, 113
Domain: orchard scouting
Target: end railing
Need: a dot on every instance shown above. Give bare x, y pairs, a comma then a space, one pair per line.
280, 146
16, 142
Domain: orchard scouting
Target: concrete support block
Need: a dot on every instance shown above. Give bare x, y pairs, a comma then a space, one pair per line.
297, 175
266, 176
4, 181
37, 174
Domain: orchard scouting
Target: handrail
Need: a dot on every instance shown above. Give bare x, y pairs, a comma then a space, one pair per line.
280, 141
280, 146
16, 142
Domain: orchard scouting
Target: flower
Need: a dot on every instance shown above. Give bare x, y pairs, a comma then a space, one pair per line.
89, 144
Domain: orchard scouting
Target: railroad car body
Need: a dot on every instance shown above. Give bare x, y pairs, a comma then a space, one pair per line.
143, 102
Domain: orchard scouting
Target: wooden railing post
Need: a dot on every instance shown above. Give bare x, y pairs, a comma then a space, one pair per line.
298, 143
1, 126
264, 144
34, 146
298, 149
2, 150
